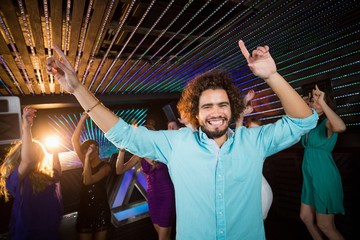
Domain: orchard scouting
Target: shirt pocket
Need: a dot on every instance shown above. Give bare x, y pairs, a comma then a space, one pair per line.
236, 170
241, 168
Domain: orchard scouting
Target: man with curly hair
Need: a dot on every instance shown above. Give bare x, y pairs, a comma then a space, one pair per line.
216, 172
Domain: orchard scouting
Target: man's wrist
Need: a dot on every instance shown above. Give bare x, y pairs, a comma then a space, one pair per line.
80, 90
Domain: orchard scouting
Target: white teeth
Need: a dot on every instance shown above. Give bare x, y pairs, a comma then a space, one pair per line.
216, 122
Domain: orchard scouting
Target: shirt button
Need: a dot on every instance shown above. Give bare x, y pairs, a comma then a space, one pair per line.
221, 232
220, 212
219, 175
220, 195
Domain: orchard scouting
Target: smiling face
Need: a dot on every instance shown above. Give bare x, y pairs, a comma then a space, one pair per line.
214, 113
214, 80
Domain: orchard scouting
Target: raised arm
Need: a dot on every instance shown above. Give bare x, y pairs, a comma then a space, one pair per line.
122, 167
88, 177
75, 139
248, 108
66, 75
249, 96
239, 122
334, 123
262, 65
29, 155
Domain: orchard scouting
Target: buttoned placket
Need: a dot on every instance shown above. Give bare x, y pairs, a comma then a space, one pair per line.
219, 198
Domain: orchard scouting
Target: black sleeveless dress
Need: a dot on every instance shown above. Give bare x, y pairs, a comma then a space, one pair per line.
94, 211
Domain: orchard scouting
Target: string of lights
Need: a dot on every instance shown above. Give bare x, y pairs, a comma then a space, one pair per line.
63, 126
148, 49
122, 22
17, 56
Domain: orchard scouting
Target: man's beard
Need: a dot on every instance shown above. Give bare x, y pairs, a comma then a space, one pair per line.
214, 134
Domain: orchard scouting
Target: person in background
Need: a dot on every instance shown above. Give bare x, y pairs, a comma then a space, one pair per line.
266, 192
248, 108
160, 194
93, 219
307, 98
252, 122
182, 119
216, 172
32, 178
322, 193
173, 125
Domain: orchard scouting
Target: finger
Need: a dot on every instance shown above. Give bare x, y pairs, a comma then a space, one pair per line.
248, 109
58, 51
317, 88
28, 111
262, 49
51, 65
244, 50
257, 53
254, 52
62, 56
59, 67
49, 60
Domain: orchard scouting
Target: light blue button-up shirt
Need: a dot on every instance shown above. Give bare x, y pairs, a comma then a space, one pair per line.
217, 190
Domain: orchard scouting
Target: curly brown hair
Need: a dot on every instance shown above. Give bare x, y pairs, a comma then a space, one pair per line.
215, 79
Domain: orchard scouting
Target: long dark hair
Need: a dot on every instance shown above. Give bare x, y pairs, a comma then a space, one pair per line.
86, 144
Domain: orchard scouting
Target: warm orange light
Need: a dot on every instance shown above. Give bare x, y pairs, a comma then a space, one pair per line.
52, 142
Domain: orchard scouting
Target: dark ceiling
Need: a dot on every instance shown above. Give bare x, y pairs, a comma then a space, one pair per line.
141, 51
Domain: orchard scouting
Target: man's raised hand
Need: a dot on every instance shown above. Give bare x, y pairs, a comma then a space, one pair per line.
260, 62
63, 71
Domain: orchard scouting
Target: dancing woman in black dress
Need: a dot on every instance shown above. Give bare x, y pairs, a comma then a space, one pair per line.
94, 217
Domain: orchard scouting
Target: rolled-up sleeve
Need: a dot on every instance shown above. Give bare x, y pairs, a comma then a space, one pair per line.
117, 133
287, 131
140, 141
